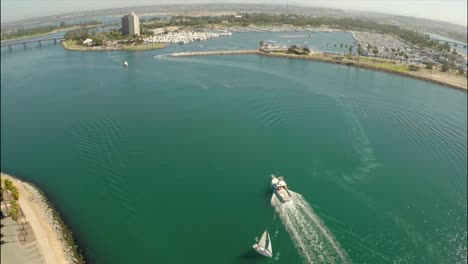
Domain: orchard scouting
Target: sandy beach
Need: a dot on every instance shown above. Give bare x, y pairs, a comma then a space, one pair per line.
47, 229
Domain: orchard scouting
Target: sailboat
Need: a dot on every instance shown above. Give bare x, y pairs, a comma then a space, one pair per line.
263, 247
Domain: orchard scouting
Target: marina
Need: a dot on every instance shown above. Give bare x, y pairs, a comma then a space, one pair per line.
185, 37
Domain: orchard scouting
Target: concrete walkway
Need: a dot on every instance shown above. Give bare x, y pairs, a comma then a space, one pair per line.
41, 236
15, 253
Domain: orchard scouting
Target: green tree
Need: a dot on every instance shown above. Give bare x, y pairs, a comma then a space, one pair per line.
14, 193
413, 67
8, 184
360, 51
98, 41
77, 34
262, 43
14, 210
375, 51
350, 49
62, 24
429, 65
445, 67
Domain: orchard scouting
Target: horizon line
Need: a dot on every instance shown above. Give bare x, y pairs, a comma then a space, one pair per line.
77, 13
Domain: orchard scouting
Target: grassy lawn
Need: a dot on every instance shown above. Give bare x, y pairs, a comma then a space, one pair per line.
385, 64
145, 46
71, 45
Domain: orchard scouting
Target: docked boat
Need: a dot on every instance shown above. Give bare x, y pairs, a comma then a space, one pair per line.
263, 247
280, 188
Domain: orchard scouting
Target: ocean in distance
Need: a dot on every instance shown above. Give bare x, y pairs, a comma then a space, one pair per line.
169, 160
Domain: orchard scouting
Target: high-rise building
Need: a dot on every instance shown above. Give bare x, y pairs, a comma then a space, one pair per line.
130, 24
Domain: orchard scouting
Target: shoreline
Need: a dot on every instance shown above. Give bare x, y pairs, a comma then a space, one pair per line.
208, 53
44, 34
58, 244
322, 58
74, 47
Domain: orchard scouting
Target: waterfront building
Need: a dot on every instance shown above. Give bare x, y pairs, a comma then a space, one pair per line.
130, 24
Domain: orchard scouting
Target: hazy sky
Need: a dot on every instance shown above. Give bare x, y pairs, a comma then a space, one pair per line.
446, 10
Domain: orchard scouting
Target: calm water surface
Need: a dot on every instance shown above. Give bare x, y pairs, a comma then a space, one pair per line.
169, 160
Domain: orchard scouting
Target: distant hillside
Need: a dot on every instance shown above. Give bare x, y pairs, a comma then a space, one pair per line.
450, 30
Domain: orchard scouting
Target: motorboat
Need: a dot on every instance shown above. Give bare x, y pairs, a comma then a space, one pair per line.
125, 64
280, 188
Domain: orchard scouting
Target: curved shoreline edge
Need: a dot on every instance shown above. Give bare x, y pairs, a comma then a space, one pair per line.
155, 46
315, 58
33, 195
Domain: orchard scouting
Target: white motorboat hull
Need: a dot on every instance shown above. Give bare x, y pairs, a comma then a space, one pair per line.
280, 189
283, 197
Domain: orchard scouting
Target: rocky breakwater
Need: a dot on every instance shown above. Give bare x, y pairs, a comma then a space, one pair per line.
205, 53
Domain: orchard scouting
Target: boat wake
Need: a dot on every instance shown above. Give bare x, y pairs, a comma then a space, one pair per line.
311, 237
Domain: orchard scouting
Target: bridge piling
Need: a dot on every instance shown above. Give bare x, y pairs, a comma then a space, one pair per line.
40, 43
24, 44
9, 47
55, 41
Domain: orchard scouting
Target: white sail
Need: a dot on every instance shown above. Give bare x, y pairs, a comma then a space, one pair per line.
262, 248
269, 249
263, 240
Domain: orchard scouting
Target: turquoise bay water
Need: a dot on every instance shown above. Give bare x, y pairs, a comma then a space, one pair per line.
169, 160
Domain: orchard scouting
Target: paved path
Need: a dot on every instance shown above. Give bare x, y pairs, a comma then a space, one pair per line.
15, 253
41, 236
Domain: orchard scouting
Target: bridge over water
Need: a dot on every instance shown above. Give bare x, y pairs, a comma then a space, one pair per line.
454, 43
451, 42
24, 43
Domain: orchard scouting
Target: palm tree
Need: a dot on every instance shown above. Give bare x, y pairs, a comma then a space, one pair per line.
350, 49
14, 193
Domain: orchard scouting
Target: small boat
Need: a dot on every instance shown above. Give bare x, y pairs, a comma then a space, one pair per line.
280, 188
263, 247
125, 64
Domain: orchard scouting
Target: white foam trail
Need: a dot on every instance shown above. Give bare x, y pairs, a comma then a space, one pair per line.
310, 236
